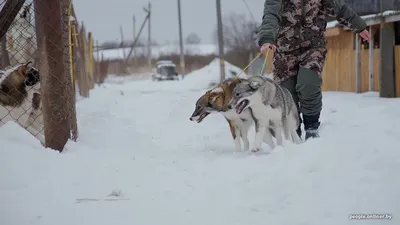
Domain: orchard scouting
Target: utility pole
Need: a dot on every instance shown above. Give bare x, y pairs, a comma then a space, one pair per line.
137, 37
149, 35
134, 37
182, 58
220, 41
122, 41
387, 75
98, 49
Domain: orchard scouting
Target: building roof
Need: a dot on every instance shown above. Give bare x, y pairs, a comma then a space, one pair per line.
372, 19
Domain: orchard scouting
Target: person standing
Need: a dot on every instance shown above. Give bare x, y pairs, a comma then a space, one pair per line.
295, 31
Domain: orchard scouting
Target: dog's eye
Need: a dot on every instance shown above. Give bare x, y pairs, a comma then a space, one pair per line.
237, 94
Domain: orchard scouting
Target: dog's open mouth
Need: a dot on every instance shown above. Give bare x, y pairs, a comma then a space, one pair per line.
202, 116
241, 106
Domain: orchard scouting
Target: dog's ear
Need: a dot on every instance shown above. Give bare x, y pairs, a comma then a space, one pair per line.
22, 70
28, 63
254, 84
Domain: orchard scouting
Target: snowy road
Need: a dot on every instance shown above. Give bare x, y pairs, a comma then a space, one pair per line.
136, 138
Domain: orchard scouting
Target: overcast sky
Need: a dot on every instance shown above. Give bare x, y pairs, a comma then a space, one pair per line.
103, 17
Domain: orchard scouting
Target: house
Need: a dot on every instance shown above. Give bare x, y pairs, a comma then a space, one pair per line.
368, 7
353, 65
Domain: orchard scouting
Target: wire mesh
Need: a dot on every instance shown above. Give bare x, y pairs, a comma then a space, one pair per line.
37, 70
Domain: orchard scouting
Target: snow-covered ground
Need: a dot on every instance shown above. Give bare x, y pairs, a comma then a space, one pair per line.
137, 145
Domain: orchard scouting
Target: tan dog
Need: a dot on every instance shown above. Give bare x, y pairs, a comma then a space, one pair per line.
219, 100
13, 86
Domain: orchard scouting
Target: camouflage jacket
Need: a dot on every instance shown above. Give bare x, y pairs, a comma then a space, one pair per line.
296, 24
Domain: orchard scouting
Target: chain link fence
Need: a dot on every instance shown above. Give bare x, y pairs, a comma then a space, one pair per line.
46, 58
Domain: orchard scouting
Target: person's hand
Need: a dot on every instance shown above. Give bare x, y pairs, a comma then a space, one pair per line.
365, 35
264, 48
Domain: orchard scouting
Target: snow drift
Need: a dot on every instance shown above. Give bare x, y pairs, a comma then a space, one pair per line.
209, 75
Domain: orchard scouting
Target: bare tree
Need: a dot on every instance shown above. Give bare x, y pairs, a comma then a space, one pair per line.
239, 38
239, 32
193, 38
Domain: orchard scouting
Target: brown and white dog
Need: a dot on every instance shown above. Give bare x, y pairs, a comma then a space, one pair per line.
218, 100
13, 84
17, 84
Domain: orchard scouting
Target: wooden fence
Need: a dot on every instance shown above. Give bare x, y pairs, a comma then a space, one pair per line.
340, 68
339, 71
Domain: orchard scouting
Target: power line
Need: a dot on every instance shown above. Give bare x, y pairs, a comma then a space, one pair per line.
182, 55
248, 9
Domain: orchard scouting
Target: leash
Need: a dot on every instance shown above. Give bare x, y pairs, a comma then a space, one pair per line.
264, 64
258, 56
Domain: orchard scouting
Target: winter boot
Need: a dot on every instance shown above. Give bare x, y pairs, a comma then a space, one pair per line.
311, 125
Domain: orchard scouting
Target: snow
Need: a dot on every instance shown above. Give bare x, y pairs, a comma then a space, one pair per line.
210, 75
332, 24
139, 160
335, 23
157, 51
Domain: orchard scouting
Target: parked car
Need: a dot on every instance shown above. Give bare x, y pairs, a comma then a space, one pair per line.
165, 70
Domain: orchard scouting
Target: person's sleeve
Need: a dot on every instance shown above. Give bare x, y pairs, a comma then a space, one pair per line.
270, 22
344, 15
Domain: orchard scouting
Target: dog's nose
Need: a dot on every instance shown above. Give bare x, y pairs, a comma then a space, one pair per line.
191, 119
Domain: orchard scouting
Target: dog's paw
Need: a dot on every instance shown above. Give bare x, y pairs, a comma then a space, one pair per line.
255, 150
